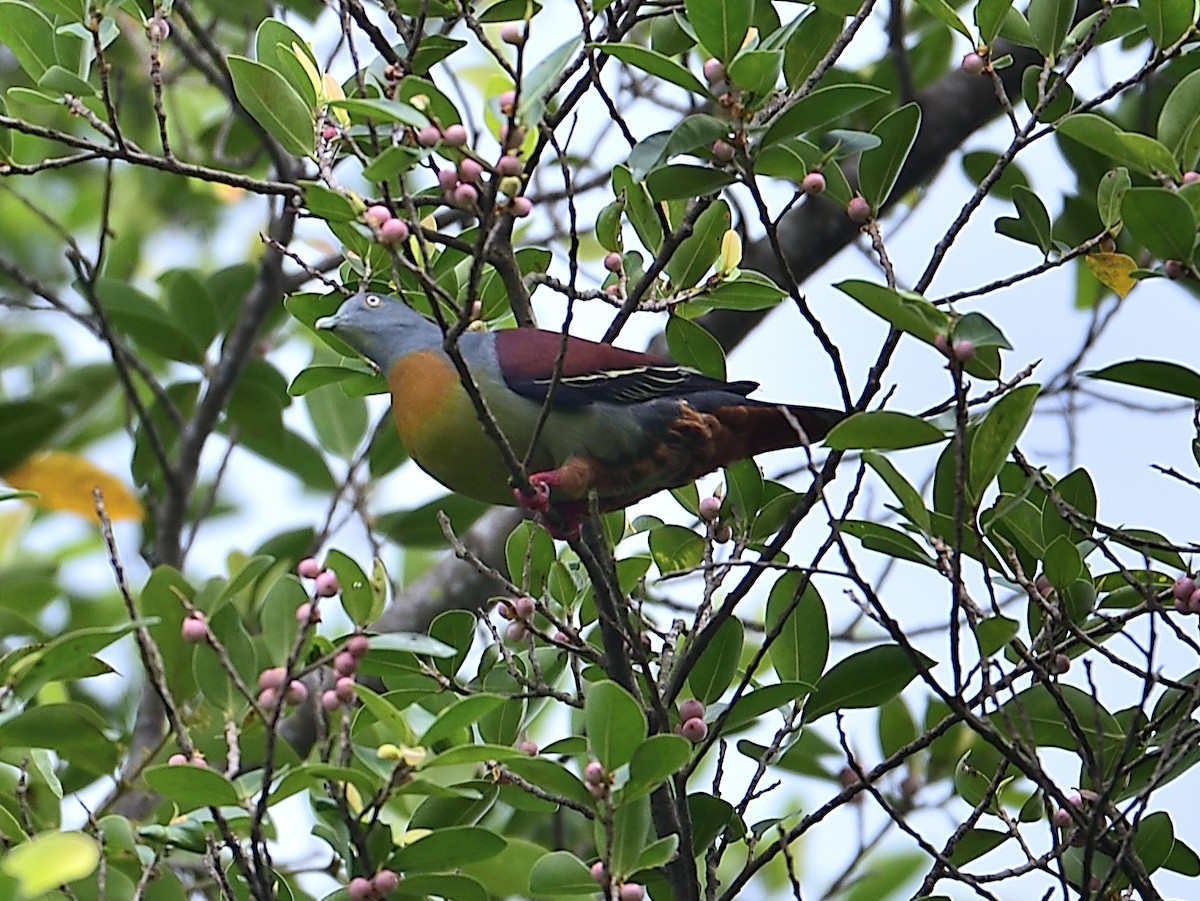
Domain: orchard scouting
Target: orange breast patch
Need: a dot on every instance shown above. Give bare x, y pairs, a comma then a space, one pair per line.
421, 383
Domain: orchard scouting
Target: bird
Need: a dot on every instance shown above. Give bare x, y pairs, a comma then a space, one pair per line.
621, 425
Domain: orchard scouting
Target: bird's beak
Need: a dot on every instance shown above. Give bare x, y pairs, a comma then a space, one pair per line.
328, 323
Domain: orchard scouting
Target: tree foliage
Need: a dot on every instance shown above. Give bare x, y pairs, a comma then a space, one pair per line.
188, 186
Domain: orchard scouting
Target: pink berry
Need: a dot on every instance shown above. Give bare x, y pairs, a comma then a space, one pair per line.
710, 509
465, 195
326, 584
194, 629
158, 28
598, 790
562, 637
509, 165
858, 209
613, 262
448, 179
694, 730
1174, 269
1181, 605
297, 692
513, 33
177, 760
599, 872
593, 773
330, 701
507, 101
375, 216
964, 350
1190, 176
309, 568
429, 135
631, 891
942, 343
1043, 584
1075, 800
714, 70
515, 631
329, 133
691, 709
268, 698
344, 688
308, 613
345, 663
455, 135
723, 150
358, 645
1183, 587
360, 889
524, 607
385, 881
521, 206
813, 184
393, 231
272, 677
1062, 818
1194, 602
1060, 664
528, 747
973, 64
469, 170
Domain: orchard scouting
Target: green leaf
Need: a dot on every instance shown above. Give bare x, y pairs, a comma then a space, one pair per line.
994, 438
340, 421
697, 253
458, 715
274, 104
896, 726
904, 310
1167, 20
994, 633
879, 168
976, 843
52, 858
656, 759
977, 164
26, 426
1157, 375
718, 662
657, 854
682, 181
1161, 220
447, 849
749, 291
146, 321
821, 107
1179, 120
381, 109
675, 549
1110, 194
691, 345
315, 377
191, 787
719, 24
561, 873
989, 16
910, 499
615, 724
882, 430
638, 207
541, 78
800, 647
1154, 839
419, 527
273, 43
1032, 223
656, 64
29, 36
358, 600
885, 539
1137, 151
756, 72
1050, 20
67, 657
944, 13
747, 709
865, 679
812, 39
75, 732
1035, 718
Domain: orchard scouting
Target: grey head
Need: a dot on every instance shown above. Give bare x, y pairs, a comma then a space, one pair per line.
382, 328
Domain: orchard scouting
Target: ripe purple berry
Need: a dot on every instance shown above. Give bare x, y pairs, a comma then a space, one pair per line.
268, 698
631, 891
1183, 587
344, 689
710, 509
507, 102
523, 607
813, 184
694, 730
358, 645
714, 70
297, 692
308, 613
194, 628
599, 872
528, 747
329, 133
520, 206
375, 216
272, 677
465, 195
613, 262
1174, 269
455, 135
723, 150
360, 889
393, 232
384, 881
973, 64
858, 209
329, 700
593, 773
1194, 602
509, 165
345, 663
1190, 176
448, 179
964, 350
326, 585
1062, 818
515, 631
513, 33
309, 568
177, 760
429, 135
158, 28
691, 709
469, 170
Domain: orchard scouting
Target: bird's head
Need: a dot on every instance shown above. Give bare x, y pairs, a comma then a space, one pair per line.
382, 328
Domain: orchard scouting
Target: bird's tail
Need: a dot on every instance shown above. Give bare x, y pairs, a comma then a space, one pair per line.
759, 428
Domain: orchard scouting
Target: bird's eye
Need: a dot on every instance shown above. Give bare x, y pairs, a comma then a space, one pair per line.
373, 300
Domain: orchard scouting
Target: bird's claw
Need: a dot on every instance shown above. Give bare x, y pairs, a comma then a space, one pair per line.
539, 500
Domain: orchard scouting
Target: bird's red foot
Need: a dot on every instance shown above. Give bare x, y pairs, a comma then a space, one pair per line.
563, 526
541, 483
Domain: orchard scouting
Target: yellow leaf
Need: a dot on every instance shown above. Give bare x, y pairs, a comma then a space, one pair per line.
1113, 271
333, 91
731, 252
309, 69
49, 860
64, 481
